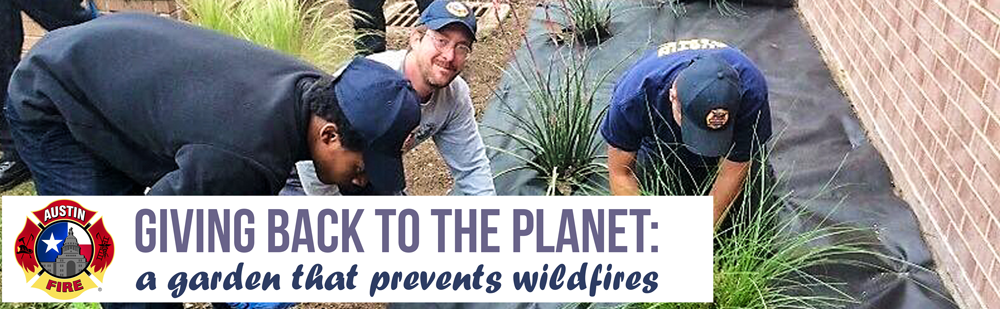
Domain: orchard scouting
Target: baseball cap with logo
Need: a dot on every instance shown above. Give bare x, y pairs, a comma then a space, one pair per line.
383, 108
709, 92
442, 13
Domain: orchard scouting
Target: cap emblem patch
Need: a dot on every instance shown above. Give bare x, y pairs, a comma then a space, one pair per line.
458, 9
717, 118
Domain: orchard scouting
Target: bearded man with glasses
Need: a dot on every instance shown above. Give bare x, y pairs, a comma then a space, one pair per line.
439, 49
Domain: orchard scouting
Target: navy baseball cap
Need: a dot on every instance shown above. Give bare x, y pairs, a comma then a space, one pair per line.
709, 92
383, 107
442, 13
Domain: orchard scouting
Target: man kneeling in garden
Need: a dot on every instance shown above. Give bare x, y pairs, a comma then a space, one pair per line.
130, 101
688, 108
439, 49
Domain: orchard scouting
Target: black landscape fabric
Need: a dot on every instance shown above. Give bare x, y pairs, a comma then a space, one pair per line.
819, 148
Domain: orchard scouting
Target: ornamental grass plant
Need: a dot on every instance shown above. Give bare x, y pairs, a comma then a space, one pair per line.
587, 21
556, 134
764, 257
308, 30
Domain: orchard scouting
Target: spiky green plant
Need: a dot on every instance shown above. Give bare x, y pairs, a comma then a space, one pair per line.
723, 6
308, 30
762, 259
586, 21
559, 126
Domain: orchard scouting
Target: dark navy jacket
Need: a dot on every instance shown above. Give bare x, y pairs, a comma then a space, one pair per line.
640, 117
177, 108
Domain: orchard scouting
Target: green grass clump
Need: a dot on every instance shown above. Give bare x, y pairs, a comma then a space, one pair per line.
763, 258
588, 20
305, 29
559, 126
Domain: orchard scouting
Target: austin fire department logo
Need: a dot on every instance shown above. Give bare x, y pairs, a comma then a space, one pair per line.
64, 252
717, 118
457, 8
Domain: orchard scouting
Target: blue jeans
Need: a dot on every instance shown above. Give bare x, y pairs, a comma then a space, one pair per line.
51, 15
61, 165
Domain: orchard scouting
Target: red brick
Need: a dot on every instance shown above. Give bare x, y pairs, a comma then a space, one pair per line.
909, 9
978, 277
988, 64
971, 74
982, 25
948, 48
922, 62
990, 193
920, 138
909, 141
991, 299
992, 235
990, 161
957, 7
934, 94
992, 100
939, 71
992, 238
933, 37
954, 234
966, 161
936, 127
948, 166
866, 8
955, 90
975, 113
942, 212
905, 51
893, 92
966, 258
932, 202
962, 128
991, 6
976, 224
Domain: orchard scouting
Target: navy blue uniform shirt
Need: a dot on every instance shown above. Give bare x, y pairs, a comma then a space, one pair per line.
640, 114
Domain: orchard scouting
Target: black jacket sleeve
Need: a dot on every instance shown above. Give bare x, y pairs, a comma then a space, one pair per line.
208, 170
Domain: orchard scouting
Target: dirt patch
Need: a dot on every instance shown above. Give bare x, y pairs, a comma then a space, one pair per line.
426, 172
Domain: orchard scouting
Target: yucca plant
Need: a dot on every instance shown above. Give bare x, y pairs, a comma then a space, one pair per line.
308, 30
559, 126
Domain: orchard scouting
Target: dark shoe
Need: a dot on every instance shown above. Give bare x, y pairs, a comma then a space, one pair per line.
13, 173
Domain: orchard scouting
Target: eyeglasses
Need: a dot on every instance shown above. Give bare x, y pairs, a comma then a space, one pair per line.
442, 44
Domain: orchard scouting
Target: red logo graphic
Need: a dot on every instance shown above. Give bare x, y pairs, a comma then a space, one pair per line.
64, 250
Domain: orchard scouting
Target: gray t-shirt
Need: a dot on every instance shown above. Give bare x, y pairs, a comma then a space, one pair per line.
448, 118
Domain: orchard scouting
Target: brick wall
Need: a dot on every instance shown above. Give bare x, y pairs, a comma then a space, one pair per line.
33, 32
924, 77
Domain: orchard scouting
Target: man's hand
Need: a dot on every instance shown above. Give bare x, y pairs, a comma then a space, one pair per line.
621, 166
727, 187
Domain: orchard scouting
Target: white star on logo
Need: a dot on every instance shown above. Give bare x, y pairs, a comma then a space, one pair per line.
52, 243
